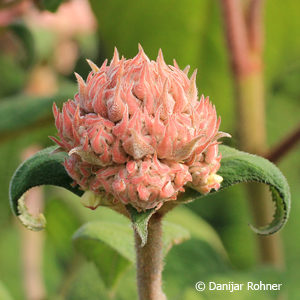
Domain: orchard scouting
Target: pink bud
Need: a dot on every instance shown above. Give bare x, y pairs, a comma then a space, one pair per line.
137, 130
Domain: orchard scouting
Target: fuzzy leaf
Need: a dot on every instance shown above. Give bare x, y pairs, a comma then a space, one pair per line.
238, 166
110, 244
43, 168
140, 222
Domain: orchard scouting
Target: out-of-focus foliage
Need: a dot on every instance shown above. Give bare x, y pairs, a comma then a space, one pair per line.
191, 32
16, 57
31, 112
51, 5
24, 35
110, 245
4, 294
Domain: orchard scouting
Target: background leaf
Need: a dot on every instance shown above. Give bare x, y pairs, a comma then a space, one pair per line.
197, 227
30, 113
110, 245
173, 234
25, 36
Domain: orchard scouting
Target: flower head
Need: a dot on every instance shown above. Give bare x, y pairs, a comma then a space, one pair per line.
137, 131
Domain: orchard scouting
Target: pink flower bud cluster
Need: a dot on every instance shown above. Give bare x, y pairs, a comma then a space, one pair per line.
137, 131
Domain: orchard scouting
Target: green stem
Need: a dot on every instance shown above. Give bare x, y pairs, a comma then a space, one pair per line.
251, 113
252, 138
245, 44
149, 261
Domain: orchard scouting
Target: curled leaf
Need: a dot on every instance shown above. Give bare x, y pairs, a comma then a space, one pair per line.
238, 166
43, 168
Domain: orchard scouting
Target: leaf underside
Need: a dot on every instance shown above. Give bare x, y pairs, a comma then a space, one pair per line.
236, 166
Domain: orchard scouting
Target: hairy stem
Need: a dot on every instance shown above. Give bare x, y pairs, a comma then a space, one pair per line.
149, 261
244, 35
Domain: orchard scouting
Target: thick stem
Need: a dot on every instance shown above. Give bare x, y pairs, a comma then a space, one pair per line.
245, 43
149, 261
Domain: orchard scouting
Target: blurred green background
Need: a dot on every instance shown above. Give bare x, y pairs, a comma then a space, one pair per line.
40, 50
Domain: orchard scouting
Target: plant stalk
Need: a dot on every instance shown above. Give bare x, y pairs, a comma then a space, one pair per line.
149, 262
244, 34
252, 138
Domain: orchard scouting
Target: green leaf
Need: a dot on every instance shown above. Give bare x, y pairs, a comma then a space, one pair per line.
110, 245
19, 114
173, 234
43, 168
192, 261
10, 82
197, 227
140, 222
62, 222
238, 166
